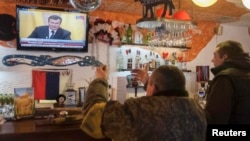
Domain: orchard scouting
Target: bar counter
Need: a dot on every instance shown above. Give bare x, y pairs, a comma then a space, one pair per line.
28, 130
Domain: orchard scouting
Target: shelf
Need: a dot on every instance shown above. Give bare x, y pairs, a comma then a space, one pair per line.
145, 45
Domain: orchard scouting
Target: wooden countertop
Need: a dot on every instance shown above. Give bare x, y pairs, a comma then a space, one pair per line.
27, 130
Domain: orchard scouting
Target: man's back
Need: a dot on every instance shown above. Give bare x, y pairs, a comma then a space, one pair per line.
236, 91
156, 118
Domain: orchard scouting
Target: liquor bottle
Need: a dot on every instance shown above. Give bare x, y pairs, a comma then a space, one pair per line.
184, 62
119, 61
141, 61
129, 34
137, 59
146, 61
152, 61
123, 34
130, 60
157, 61
147, 38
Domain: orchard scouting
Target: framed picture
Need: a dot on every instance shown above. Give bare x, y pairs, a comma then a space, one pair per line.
24, 102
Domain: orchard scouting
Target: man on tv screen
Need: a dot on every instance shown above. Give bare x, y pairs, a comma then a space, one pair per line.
52, 30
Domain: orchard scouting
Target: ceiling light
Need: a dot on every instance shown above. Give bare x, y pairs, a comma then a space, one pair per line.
85, 5
246, 3
205, 3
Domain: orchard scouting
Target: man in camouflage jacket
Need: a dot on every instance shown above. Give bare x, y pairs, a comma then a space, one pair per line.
165, 114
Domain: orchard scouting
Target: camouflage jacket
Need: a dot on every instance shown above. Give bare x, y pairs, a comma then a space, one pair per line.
149, 118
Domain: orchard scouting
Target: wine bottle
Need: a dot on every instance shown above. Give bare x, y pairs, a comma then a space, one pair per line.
129, 34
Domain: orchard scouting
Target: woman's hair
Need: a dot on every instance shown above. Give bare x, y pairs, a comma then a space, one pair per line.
230, 48
168, 77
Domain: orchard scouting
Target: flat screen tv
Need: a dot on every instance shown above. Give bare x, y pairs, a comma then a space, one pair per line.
51, 29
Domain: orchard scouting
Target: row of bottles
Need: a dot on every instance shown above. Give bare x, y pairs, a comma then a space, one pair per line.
130, 36
131, 61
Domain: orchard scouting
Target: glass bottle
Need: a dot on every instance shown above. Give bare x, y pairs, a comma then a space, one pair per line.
157, 61
152, 61
130, 60
123, 35
129, 34
119, 61
146, 61
137, 59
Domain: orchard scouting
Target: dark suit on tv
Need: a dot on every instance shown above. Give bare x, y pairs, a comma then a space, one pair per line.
43, 32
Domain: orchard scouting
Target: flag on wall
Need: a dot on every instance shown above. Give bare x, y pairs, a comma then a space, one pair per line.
49, 83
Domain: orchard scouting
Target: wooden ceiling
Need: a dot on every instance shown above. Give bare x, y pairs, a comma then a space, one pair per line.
223, 11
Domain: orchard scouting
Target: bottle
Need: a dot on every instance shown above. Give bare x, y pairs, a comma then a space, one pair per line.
70, 95
130, 60
201, 95
141, 61
129, 34
152, 61
123, 35
137, 59
119, 61
146, 61
81, 95
147, 38
157, 61
184, 62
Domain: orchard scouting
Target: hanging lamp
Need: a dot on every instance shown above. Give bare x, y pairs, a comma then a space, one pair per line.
85, 5
246, 3
204, 3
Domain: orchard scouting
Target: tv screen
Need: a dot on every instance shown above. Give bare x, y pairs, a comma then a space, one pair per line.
50, 29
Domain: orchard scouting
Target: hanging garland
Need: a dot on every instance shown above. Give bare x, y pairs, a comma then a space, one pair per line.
103, 31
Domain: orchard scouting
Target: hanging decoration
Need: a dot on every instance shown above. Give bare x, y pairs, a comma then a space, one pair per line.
12, 60
85, 5
105, 32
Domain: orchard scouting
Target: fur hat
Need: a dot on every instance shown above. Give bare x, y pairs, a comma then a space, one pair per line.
7, 27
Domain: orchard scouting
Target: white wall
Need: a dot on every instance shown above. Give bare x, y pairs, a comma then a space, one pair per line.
229, 33
20, 75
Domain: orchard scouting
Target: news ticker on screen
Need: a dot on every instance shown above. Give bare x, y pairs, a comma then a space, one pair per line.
52, 43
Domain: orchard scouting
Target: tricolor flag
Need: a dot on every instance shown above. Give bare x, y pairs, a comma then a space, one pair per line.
49, 83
